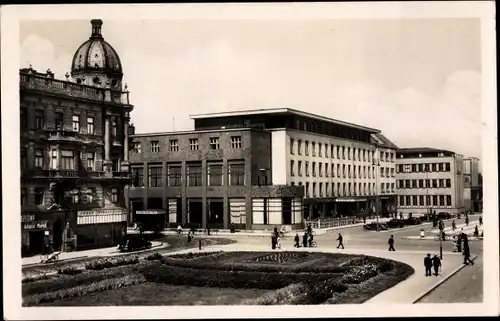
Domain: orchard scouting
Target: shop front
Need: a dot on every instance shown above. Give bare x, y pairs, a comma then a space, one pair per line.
100, 228
152, 220
350, 206
34, 235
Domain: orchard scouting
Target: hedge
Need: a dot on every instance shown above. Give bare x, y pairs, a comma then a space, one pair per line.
227, 279
153, 257
101, 264
103, 285
70, 270
280, 296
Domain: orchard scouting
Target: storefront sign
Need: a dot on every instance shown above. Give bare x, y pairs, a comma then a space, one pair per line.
35, 225
350, 200
151, 212
102, 216
27, 218
101, 212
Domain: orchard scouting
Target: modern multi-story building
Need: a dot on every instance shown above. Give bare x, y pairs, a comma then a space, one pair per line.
429, 180
191, 175
472, 188
74, 143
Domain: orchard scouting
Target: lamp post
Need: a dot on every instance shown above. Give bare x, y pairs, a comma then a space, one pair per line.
376, 163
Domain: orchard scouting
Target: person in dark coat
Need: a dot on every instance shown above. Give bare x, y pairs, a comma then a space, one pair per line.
341, 243
304, 240
297, 240
480, 220
391, 243
311, 238
459, 243
436, 263
467, 220
428, 265
466, 254
273, 241
476, 232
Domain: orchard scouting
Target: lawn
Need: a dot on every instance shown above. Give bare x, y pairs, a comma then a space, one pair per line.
220, 278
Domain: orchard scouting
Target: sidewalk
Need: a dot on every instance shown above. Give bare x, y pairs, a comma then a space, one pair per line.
405, 292
108, 251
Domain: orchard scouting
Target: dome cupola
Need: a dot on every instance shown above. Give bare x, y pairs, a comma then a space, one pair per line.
96, 63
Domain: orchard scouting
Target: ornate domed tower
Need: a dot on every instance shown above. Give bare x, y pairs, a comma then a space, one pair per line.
96, 63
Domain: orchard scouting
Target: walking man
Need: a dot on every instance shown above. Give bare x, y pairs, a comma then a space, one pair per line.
467, 220
340, 238
428, 265
436, 263
297, 240
480, 220
304, 240
453, 225
476, 232
391, 243
467, 258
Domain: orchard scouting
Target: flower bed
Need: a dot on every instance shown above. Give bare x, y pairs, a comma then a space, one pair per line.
109, 262
280, 257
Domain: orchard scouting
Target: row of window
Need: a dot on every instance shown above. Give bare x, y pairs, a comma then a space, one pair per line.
344, 171
344, 189
424, 183
214, 173
67, 160
424, 168
341, 152
424, 200
77, 196
194, 144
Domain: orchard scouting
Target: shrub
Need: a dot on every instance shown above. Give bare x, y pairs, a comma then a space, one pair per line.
360, 274
319, 292
70, 270
154, 257
105, 263
103, 285
280, 296
37, 277
196, 255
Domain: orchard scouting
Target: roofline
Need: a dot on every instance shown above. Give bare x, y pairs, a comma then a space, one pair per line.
428, 149
184, 132
281, 110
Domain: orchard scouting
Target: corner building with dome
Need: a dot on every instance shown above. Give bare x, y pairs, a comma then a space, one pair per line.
74, 144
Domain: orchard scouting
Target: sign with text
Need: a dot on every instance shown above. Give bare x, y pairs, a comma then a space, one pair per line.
35, 225
151, 212
350, 200
27, 218
112, 211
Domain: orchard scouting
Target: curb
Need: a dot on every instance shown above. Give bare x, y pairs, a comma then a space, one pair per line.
434, 286
63, 260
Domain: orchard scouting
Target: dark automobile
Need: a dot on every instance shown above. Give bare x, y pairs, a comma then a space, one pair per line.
373, 226
395, 223
134, 243
412, 221
440, 216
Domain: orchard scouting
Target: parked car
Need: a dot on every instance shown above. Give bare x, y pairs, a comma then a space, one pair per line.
395, 223
373, 226
412, 221
440, 216
134, 243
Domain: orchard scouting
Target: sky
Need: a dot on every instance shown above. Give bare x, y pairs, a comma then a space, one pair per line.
417, 80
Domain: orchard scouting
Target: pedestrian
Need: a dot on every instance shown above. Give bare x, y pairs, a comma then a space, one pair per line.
466, 254
391, 243
190, 237
443, 235
436, 263
304, 240
428, 265
467, 220
364, 219
179, 229
311, 237
453, 225
480, 220
340, 239
273, 241
297, 240
476, 232
459, 243
232, 228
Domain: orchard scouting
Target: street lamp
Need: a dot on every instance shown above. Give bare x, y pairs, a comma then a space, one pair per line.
376, 163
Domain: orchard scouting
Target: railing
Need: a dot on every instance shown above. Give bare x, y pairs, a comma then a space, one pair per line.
71, 89
332, 222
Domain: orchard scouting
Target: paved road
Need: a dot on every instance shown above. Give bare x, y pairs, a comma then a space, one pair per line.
464, 287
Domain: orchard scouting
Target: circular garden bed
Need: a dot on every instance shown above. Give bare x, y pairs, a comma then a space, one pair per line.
287, 277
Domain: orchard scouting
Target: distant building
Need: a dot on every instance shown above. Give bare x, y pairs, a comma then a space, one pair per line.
74, 138
212, 175
472, 185
429, 180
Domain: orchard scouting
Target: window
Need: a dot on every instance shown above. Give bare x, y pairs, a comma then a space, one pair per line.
441, 200
338, 170
381, 171
427, 183
343, 171
332, 170
155, 146
354, 153
299, 147
420, 183
420, 167
447, 167
448, 183
414, 199
38, 196
292, 142
320, 153
114, 125
320, 191
214, 174
292, 169
90, 125
136, 147
407, 183
59, 120
327, 187
138, 174
155, 176
23, 122
76, 123
433, 167
414, 168
313, 148
314, 169
193, 144
235, 141
407, 169
39, 119
441, 183
382, 190
401, 201
194, 174
214, 142
299, 169
421, 200
326, 169
39, 159
90, 195
314, 189
326, 150
332, 151
392, 187
428, 200
434, 183
320, 169
173, 145
408, 200
307, 189
67, 159
236, 172
114, 195
413, 183
307, 168
434, 200
90, 161
53, 159
441, 167
348, 153
306, 143
426, 167
400, 183
392, 172
400, 169
448, 200
174, 174
344, 189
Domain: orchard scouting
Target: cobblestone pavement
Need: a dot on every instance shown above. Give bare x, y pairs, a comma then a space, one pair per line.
466, 286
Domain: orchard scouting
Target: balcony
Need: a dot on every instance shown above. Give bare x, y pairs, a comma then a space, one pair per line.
73, 174
69, 135
68, 88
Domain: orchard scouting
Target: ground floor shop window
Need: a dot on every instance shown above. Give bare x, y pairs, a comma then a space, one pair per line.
237, 211
215, 209
174, 207
195, 211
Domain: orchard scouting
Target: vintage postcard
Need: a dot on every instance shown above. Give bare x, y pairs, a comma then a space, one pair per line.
249, 160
